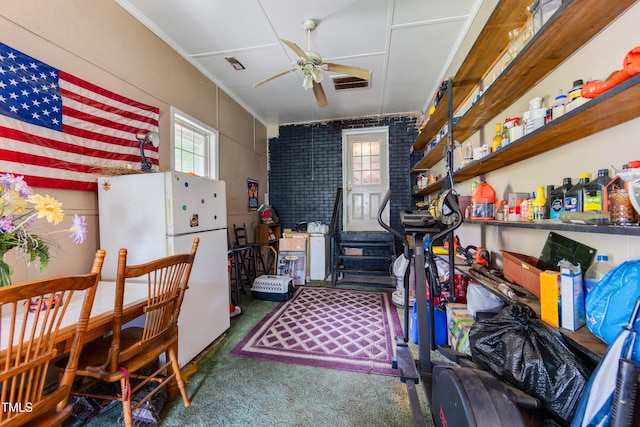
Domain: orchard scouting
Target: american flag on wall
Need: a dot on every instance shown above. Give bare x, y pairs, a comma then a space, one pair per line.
59, 131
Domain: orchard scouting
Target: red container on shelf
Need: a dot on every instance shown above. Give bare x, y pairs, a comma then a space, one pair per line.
483, 202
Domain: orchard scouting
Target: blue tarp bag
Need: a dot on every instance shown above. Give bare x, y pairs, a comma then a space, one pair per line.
610, 304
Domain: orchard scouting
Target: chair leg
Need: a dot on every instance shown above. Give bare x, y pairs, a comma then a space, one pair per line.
176, 369
240, 273
126, 401
257, 250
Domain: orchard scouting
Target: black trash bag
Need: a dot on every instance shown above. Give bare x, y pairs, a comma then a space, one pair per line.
521, 349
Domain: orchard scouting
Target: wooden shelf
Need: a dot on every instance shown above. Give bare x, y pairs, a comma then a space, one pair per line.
263, 231
618, 105
488, 47
587, 343
632, 230
432, 157
555, 42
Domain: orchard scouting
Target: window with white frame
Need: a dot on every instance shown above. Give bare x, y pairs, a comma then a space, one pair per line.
195, 145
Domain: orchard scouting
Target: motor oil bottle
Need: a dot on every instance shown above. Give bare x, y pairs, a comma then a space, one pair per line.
556, 198
594, 192
574, 199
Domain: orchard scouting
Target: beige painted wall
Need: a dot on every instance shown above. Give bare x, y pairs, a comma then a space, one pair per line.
611, 148
100, 42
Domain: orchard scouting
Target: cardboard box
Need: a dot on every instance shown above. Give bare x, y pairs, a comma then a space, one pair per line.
516, 198
459, 323
550, 297
292, 244
572, 313
293, 264
300, 242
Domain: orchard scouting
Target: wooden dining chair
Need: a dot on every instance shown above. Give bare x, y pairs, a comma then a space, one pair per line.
121, 356
32, 318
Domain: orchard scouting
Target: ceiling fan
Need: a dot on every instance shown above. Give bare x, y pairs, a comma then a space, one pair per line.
311, 64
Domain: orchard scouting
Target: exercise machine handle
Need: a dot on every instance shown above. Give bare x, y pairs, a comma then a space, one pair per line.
400, 236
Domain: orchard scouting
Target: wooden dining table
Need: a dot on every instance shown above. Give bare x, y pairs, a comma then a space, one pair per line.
100, 321
101, 318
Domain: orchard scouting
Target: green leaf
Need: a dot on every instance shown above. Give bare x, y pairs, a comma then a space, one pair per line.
37, 248
5, 273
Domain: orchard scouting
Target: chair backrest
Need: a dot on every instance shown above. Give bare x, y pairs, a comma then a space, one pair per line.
166, 280
33, 314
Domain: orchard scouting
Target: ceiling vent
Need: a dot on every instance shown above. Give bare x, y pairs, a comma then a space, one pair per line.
349, 82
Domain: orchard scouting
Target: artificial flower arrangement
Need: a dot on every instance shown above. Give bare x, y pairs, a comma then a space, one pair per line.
20, 209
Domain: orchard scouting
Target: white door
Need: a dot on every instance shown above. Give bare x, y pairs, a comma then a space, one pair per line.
366, 177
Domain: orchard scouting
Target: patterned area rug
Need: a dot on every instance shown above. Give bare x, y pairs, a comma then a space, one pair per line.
330, 328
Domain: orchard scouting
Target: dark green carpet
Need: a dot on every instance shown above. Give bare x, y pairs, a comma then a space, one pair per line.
234, 391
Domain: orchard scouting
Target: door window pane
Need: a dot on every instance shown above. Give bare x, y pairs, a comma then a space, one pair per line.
357, 178
366, 177
357, 163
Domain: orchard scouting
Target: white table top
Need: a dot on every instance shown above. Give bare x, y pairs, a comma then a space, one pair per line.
103, 303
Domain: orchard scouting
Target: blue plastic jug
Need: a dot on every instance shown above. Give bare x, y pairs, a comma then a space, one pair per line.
440, 320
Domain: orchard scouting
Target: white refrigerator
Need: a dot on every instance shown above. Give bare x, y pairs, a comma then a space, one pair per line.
154, 215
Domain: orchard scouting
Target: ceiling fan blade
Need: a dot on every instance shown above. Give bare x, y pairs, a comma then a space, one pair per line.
360, 73
318, 91
294, 47
274, 77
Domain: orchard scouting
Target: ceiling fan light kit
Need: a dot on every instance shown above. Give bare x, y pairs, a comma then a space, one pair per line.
311, 65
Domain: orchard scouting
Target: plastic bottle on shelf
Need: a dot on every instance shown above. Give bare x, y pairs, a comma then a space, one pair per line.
474, 185
574, 93
500, 210
594, 192
538, 113
559, 105
496, 143
574, 199
527, 124
505, 133
483, 202
524, 210
539, 203
530, 210
557, 198
596, 272
575, 97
